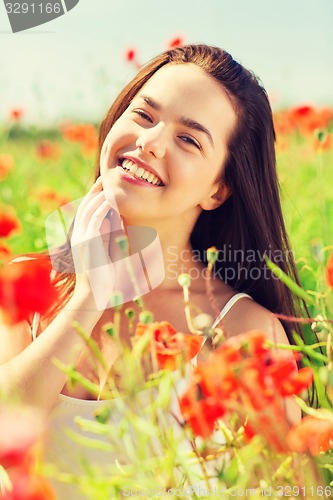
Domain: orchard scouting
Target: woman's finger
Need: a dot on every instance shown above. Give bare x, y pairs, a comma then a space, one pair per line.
88, 207
95, 188
97, 217
90, 250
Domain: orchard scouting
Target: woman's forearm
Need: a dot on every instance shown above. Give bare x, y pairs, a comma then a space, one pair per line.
32, 376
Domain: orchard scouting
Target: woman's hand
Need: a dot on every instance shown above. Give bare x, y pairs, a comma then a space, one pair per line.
90, 244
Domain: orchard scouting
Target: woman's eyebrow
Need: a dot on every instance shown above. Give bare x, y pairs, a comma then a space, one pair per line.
187, 122
148, 100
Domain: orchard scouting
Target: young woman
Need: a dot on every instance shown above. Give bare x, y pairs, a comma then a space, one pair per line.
187, 149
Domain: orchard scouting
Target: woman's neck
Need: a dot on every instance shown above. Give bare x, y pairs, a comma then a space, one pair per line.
172, 244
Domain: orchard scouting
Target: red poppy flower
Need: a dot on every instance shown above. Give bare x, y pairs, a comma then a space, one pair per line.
6, 165
47, 150
302, 111
216, 378
252, 343
256, 343
50, 199
79, 132
89, 145
308, 119
4, 251
287, 380
322, 140
311, 434
329, 271
200, 413
130, 54
26, 288
245, 373
175, 41
270, 423
297, 383
84, 134
170, 344
16, 114
9, 223
20, 428
28, 485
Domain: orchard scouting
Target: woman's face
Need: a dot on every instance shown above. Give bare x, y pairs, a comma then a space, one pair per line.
164, 156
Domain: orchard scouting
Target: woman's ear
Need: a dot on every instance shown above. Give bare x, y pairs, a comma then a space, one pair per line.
218, 195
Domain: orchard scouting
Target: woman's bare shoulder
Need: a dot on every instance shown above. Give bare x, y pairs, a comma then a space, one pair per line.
246, 315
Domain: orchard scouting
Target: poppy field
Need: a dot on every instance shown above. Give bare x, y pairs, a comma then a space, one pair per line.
43, 169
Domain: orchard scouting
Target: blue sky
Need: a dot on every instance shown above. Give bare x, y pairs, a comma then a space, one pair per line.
72, 67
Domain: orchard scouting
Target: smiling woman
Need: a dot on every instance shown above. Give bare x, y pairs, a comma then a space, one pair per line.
187, 149
175, 133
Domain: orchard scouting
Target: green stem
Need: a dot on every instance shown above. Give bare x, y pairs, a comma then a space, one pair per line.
187, 311
75, 376
116, 323
209, 290
123, 243
90, 343
289, 282
309, 350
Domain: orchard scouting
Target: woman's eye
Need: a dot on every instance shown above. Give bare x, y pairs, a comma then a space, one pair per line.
143, 115
189, 140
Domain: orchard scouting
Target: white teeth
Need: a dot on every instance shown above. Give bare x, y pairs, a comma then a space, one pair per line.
127, 164
140, 172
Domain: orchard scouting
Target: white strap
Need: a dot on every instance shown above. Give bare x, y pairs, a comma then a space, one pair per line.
229, 305
35, 325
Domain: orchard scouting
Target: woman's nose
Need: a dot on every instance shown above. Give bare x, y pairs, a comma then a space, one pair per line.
153, 140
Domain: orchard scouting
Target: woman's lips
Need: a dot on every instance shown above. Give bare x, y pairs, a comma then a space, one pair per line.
128, 177
140, 169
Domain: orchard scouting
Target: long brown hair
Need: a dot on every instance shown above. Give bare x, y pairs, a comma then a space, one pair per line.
249, 225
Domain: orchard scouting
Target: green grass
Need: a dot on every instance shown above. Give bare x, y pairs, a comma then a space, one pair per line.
306, 178
70, 175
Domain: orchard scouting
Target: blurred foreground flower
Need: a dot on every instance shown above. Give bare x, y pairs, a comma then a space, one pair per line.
26, 288
329, 271
9, 223
168, 344
6, 165
245, 376
27, 485
313, 435
22, 429
4, 251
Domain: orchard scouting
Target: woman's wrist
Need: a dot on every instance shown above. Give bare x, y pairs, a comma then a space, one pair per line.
83, 301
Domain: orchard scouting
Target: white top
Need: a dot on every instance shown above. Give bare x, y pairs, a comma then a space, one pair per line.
231, 302
70, 456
